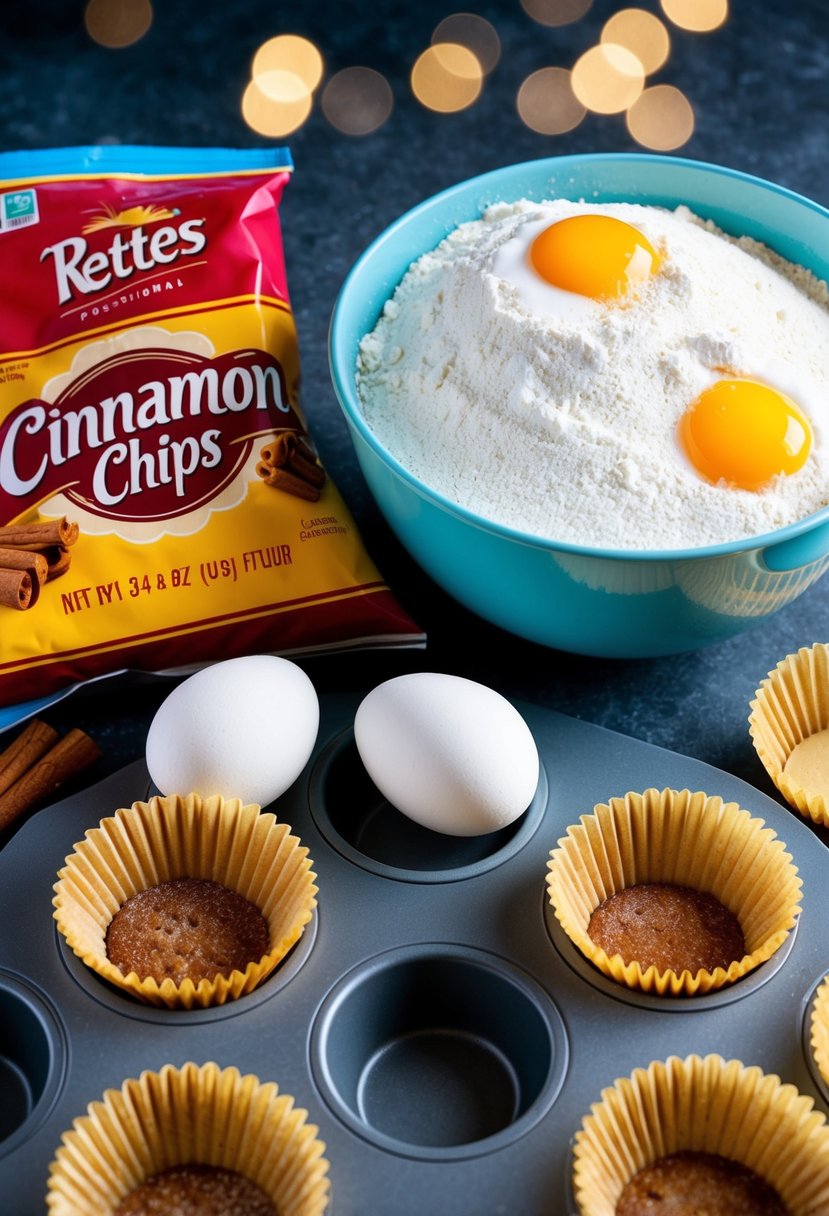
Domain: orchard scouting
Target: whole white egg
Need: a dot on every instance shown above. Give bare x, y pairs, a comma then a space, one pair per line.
244, 728
451, 754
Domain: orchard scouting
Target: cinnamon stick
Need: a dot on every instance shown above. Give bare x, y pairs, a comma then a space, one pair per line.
68, 757
39, 533
16, 589
308, 470
289, 482
276, 452
24, 559
282, 447
289, 451
58, 558
35, 739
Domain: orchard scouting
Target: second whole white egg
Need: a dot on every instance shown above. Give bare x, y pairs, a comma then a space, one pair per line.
244, 728
450, 753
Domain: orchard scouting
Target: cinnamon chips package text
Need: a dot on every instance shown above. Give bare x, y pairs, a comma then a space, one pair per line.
161, 501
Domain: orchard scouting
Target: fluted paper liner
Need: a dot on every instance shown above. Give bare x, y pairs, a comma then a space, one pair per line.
689, 839
617, 577
190, 1115
737, 585
819, 1029
175, 837
703, 1104
791, 705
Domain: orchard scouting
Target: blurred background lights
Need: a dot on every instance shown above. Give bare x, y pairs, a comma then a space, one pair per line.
276, 103
280, 95
473, 32
357, 101
282, 86
447, 77
547, 104
117, 23
556, 12
699, 16
661, 118
607, 78
289, 53
641, 33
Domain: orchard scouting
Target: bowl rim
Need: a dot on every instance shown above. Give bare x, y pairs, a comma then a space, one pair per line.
343, 379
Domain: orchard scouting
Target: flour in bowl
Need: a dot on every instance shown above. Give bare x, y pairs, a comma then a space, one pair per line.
558, 414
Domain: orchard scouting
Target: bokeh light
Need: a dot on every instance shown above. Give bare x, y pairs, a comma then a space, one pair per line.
641, 33
607, 78
276, 103
556, 12
117, 23
661, 118
357, 101
447, 77
289, 53
698, 16
547, 104
473, 32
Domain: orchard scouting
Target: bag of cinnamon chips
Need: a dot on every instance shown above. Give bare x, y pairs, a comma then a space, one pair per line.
161, 501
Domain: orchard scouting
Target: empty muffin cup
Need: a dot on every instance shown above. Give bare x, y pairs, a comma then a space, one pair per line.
789, 727
197, 1116
703, 1105
685, 839
220, 841
438, 1052
33, 1059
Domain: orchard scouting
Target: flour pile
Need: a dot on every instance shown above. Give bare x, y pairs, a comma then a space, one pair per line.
562, 421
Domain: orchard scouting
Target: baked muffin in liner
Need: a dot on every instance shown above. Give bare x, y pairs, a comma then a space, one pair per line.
703, 1104
819, 1029
683, 838
152, 842
789, 715
190, 1115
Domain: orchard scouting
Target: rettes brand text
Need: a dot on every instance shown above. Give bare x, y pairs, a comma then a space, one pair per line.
79, 271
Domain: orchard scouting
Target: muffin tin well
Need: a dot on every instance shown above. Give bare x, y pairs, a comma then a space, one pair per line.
441, 1033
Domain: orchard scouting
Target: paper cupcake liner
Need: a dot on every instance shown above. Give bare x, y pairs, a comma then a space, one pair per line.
819, 1029
792, 704
737, 586
190, 1115
688, 839
209, 838
703, 1104
617, 577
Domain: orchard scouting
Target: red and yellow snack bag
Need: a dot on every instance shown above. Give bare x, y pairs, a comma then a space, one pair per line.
161, 502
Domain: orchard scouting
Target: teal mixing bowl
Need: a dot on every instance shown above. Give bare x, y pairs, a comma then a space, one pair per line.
603, 602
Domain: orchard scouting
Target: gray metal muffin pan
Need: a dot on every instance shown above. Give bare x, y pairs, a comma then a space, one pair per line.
443, 1034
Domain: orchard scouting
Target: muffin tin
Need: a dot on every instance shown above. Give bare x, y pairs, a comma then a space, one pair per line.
436, 1023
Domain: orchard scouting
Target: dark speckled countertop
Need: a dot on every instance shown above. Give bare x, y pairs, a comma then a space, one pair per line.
758, 87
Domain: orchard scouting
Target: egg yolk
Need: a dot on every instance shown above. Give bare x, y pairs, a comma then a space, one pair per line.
744, 433
593, 255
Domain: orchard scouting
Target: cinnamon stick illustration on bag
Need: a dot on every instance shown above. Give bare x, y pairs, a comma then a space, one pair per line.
32, 554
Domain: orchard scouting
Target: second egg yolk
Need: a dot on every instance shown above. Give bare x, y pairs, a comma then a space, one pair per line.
593, 255
745, 433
